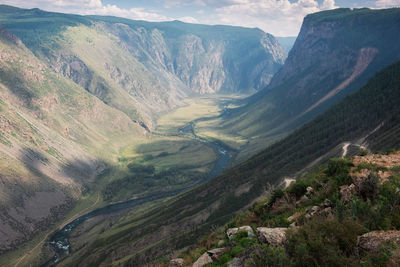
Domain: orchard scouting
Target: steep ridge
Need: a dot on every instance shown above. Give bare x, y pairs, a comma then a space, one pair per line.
139, 239
335, 53
144, 68
52, 140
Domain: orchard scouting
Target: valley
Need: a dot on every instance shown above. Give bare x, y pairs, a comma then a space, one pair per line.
127, 142
203, 157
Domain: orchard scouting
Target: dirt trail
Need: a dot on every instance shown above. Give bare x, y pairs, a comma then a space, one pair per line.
19, 260
345, 147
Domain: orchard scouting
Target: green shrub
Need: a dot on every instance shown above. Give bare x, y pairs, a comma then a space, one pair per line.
236, 250
276, 194
298, 188
270, 256
369, 187
247, 242
379, 259
338, 166
362, 152
324, 243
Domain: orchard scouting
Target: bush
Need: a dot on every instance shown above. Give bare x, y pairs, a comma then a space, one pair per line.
299, 188
276, 194
270, 256
338, 166
236, 250
369, 187
324, 243
362, 152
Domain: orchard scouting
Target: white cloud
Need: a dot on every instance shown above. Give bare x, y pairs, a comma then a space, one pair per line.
387, 3
188, 19
279, 17
88, 7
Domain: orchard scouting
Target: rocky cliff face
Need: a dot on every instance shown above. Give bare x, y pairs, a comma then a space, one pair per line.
143, 68
207, 59
335, 53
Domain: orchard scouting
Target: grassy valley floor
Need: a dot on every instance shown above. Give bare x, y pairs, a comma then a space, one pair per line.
165, 161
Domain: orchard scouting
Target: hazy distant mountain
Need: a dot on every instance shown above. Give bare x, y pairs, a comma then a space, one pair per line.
287, 42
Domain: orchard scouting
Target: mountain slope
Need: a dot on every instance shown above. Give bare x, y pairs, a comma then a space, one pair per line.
343, 213
52, 140
75, 90
335, 53
369, 115
144, 68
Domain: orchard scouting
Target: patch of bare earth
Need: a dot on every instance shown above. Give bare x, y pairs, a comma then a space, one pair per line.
386, 161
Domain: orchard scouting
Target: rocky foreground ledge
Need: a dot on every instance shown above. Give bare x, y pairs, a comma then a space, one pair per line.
351, 207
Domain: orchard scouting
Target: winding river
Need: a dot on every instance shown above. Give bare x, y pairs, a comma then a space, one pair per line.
60, 239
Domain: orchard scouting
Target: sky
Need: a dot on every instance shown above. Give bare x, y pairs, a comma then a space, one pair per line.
278, 17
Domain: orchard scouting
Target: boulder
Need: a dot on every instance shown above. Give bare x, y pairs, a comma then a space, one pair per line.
327, 203
313, 210
178, 262
231, 232
372, 241
249, 230
347, 192
327, 212
203, 260
216, 253
236, 262
294, 217
309, 191
272, 236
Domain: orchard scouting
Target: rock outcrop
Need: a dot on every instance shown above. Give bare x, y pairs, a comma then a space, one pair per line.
272, 236
178, 262
209, 256
347, 192
373, 241
231, 232
203, 260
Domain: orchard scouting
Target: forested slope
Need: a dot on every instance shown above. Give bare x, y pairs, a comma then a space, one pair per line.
194, 212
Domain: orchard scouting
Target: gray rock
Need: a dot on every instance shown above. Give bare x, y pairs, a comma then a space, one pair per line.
372, 241
327, 203
273, 236
221, 243
249, 230
178, 262
216, 253
347, 192
236, 262
231, 232
203, 260
314, 210
294, 217
309, 191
